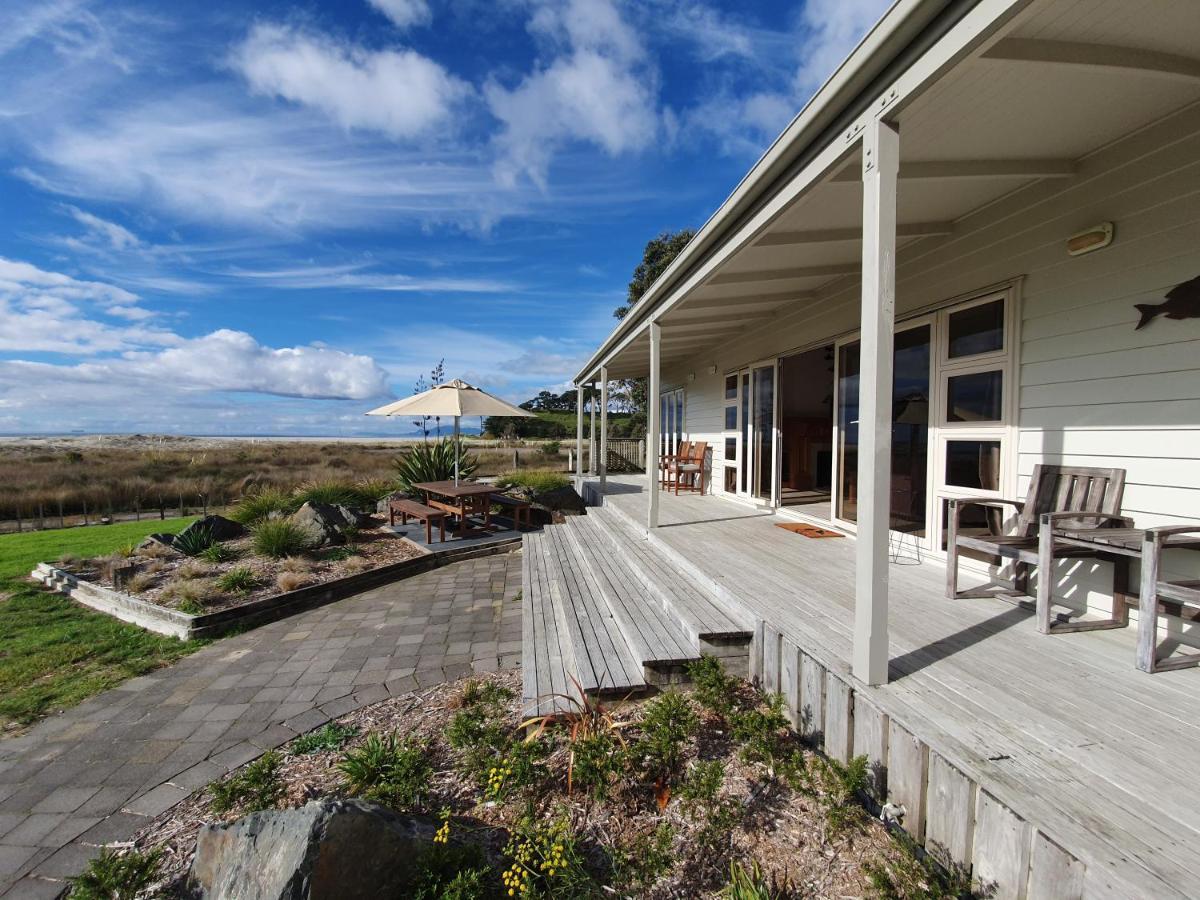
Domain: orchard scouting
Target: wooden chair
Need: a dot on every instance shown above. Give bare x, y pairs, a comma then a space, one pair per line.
1059, 497
692, 469
668, 463
1157, 594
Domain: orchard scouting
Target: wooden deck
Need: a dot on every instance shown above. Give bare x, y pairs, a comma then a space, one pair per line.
1047, 761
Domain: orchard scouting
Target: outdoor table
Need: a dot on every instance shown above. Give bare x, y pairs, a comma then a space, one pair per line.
1125, 543
463, 500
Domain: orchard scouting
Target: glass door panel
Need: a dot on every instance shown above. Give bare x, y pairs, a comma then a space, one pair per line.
744, 480
911, 362
764, 433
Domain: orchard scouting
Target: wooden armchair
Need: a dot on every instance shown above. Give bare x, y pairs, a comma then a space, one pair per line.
668, 463
692, 469
1059, 497
1157, 594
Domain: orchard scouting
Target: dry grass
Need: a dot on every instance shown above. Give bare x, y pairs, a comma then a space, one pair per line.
192, 569
139, 583
72, 477
291, 581
297, 565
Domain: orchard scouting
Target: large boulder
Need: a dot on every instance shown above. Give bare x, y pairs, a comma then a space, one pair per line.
326, 850
157, 542
222, 529
325, 522
565, 500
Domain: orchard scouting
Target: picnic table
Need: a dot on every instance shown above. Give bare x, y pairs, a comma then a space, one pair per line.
462, 500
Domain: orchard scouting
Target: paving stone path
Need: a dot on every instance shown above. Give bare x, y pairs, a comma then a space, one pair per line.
101, 770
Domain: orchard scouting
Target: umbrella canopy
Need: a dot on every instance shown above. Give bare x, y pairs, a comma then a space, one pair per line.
454, 398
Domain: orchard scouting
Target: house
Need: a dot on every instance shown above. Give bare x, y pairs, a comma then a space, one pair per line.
973, 252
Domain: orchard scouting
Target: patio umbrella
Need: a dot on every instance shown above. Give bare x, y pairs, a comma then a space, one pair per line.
454, 398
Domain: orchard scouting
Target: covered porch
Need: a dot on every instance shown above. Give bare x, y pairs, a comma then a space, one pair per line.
1015, 751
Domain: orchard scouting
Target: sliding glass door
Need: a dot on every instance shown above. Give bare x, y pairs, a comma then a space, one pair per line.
912, 380
751, 432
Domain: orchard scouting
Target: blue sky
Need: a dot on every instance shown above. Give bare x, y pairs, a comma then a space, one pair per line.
267, 218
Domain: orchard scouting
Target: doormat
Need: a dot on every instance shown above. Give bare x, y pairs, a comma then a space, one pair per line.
809, 531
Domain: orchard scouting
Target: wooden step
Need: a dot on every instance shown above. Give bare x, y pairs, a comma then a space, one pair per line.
570, 640
705, 612
650, 632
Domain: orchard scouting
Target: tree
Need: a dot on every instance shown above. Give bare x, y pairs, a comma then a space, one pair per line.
436, 376
421, 422
660, 252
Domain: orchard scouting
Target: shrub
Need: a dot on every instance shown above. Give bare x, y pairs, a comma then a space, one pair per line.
330, 737
432, 461
372, 490
286, 582
194, 568
116, 876
239, 580
762, 731
387, 770
645, 859
519, 768
257, 507
715, 689
257, 786
841, 786
477, 692
445, 871
910, 872
546, 860
188, 596
278, 538
551, 448
219, 553
194, 541
335, 493
596, 762
669, 720
139, 583
69, 560
537, 480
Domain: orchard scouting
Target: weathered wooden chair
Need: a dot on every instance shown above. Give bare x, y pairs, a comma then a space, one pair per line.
1059, 497
691, 470
669, 463
1158, 596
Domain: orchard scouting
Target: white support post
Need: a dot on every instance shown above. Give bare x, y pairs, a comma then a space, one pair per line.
592, 433
652, 425
579, 437
603, 429
881, 164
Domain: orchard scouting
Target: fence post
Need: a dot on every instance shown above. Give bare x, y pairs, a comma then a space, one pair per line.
41, 517
62, 520
19, 529
85, 521
181, 506
516, 459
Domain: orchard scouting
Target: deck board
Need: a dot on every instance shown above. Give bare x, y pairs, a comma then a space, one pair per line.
1060, 727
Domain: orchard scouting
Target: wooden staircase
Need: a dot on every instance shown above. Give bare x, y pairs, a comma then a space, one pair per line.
605, 607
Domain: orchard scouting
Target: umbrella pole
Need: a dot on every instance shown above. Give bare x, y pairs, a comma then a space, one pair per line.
457, 449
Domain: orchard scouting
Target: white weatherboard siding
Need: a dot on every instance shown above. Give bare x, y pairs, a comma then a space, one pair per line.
1093, 391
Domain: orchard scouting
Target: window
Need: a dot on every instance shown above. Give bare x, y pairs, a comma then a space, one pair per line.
975, 397
731, 447
973, 464
976, 329
731, 387
670, 406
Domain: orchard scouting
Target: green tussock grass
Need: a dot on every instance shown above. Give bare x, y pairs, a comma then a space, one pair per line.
54, 653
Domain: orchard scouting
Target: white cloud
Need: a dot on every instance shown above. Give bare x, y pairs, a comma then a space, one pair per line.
353, 277
397, 92
834, 28
116, 236
49, 312
598, 88
404, 13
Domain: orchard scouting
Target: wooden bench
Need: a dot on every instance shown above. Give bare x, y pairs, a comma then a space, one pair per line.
421, 513
519, 508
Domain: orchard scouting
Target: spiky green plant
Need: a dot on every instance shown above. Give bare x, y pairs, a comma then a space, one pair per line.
116, 876
194, 540
254, 508
335, 493
432, 461
278, 538
238, 580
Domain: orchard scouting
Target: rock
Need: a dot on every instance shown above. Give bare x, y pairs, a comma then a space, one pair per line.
564, 500
324, 522
156, 541
222, 529
326, 850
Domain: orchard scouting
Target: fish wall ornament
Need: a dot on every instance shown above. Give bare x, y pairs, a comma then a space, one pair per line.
1183, 302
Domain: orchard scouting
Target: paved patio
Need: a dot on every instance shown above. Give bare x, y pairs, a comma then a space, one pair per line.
99, 771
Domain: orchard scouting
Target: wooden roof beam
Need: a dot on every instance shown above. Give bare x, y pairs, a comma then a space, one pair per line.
832, 235
1095, 56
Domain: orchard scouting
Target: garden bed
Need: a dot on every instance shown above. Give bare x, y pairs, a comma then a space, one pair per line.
673, 797
185, 598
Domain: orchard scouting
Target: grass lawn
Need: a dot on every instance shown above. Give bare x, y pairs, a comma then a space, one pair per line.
55, 653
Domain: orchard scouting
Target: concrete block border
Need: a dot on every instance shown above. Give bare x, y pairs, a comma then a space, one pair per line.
181, 625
